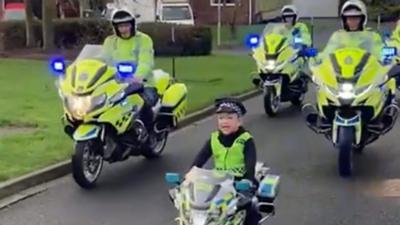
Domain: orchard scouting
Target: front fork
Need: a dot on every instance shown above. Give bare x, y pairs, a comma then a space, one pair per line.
340, 121
276, 84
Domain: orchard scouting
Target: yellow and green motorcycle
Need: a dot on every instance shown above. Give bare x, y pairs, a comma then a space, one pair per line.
210, 197
355, 95
103, 112
279, 63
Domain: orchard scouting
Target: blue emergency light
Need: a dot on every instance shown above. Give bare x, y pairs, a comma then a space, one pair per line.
252, 41
389, 51
57, 66
126, 70
311, 52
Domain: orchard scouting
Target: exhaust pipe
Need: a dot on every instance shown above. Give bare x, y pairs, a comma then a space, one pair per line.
159, 128
386, 121
389, 117
140, 130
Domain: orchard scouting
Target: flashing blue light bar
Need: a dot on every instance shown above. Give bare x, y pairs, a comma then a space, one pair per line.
252, 41
389, 51
126, 70
57, 66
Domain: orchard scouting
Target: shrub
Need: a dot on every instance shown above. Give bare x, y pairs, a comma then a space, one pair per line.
74, 33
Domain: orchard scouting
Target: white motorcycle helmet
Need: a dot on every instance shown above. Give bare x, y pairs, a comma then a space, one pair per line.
289, 11
354, 8
120, 16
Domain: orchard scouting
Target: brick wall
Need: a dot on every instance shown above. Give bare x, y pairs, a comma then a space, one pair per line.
207, 14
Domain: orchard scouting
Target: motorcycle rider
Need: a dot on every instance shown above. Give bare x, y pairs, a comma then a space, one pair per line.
231, 147
130, 45
290, 16
354, 19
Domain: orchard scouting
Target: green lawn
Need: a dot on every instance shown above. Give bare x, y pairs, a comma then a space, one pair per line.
242, 32
29, 98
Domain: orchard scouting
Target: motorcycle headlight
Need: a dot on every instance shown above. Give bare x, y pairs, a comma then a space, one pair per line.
347, 91
79, 106
270, 64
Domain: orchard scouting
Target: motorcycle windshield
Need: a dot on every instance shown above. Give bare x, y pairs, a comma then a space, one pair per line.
204, 186
95, 52
276, 37
365, 40
351, 57
276, 28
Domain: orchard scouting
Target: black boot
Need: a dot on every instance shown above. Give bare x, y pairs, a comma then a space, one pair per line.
147, 117
252, 216
149, 96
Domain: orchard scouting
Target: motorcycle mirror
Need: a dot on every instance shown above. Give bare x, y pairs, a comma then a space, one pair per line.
243, 185
173, 178
252, 41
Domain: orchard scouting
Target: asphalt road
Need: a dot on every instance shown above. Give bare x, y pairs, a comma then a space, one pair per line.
312, 193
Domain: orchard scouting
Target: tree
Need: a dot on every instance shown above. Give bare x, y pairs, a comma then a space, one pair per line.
30, 33
48, 11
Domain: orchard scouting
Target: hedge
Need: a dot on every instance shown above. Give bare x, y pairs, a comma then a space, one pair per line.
74, 33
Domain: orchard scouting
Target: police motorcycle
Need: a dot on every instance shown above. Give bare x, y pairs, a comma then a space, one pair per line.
355, 97
210, 197
280, 59
102, 112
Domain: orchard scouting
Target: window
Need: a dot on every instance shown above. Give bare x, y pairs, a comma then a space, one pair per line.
227, 2
176, 13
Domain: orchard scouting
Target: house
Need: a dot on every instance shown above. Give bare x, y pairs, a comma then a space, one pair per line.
144, 9
254, 11
206, 11
248, 11
324, 8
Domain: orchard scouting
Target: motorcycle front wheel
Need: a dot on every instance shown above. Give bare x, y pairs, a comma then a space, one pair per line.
271, 102
86, 164
345, 144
